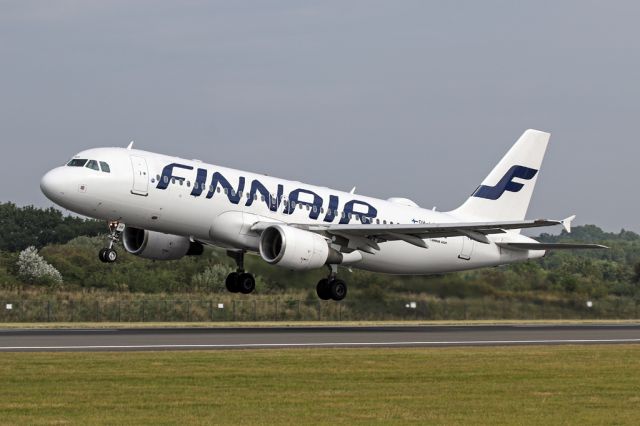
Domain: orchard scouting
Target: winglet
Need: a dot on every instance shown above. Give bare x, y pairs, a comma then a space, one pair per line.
566, 223
130, 145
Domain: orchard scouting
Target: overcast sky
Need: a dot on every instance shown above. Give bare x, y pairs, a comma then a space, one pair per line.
399, 98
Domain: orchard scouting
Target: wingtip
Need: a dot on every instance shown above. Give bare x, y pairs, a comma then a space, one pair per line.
566, 223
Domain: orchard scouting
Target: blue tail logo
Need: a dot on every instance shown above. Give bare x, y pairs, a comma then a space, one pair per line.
506, 183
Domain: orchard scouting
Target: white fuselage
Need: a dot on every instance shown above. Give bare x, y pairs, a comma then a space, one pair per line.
218, 206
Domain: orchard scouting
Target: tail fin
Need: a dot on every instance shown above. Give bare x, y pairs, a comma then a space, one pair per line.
505, 193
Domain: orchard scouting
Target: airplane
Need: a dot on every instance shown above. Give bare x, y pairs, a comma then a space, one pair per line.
163, 208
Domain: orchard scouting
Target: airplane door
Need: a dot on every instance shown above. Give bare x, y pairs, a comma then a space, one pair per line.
140, 176
467, 248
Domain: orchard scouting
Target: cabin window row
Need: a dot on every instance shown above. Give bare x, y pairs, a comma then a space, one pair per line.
285, 202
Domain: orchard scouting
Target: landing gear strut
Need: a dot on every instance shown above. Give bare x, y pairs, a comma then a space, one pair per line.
331, 287
108, 254
239, 281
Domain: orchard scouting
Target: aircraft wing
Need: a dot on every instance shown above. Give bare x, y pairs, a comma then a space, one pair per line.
366, 236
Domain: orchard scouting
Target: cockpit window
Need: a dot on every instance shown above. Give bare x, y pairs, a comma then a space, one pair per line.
93, 164
105, 167
77, 162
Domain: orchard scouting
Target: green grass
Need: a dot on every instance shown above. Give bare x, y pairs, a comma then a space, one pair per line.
508, 385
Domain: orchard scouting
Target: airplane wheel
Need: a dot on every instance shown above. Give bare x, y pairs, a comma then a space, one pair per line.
101, 255
246, 283
110, 255
338, 289
232, 282
323, 289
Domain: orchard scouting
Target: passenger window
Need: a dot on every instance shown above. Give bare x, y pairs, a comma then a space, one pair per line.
93, 165
158, 178
166, 179
188, 184
378, 221
218, 190
173, 181
321, 210
315, 209
77, 162
384, 221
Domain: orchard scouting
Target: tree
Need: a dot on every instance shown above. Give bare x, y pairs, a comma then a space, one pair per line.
21, 227
35, 270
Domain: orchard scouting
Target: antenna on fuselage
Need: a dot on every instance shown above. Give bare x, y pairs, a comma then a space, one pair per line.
130, 145
353, 190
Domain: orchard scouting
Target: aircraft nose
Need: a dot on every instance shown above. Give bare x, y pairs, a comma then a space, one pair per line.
52, 184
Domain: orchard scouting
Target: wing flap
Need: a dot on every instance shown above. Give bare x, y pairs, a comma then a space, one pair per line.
550, 246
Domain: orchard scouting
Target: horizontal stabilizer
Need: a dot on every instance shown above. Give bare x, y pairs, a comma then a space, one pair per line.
549, 246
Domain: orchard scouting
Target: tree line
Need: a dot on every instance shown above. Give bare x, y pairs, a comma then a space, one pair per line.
70, 245
21, 227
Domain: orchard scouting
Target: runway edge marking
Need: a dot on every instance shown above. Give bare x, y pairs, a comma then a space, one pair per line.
324, 344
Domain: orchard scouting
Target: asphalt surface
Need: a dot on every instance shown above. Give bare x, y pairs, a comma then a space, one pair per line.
123, 339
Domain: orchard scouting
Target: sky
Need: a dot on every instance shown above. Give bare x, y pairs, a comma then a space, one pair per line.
416, 99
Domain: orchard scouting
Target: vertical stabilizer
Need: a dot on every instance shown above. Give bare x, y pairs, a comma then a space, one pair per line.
505, 193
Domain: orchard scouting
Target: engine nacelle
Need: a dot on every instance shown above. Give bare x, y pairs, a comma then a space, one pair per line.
158, 246
296, 249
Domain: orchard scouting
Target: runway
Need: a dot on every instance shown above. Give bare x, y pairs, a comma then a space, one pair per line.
123, 339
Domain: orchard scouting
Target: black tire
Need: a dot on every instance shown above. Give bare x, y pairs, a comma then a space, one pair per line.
338, 289
322, 289
110, 255
246, 283
101, 255
232, 282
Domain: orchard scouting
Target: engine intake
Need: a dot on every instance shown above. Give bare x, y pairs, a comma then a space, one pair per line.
295, 248
158, 246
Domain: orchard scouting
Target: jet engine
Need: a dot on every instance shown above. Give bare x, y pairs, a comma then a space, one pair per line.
296, 249
158, 246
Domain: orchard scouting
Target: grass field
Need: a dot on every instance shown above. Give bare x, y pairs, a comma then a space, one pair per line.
509, 385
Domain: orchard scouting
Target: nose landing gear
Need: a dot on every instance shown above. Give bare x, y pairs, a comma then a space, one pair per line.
108, 254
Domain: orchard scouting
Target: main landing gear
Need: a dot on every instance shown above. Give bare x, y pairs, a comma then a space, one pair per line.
331, 287
108, 254
239, 281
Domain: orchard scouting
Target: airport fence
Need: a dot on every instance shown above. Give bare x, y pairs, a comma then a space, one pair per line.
283, 309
